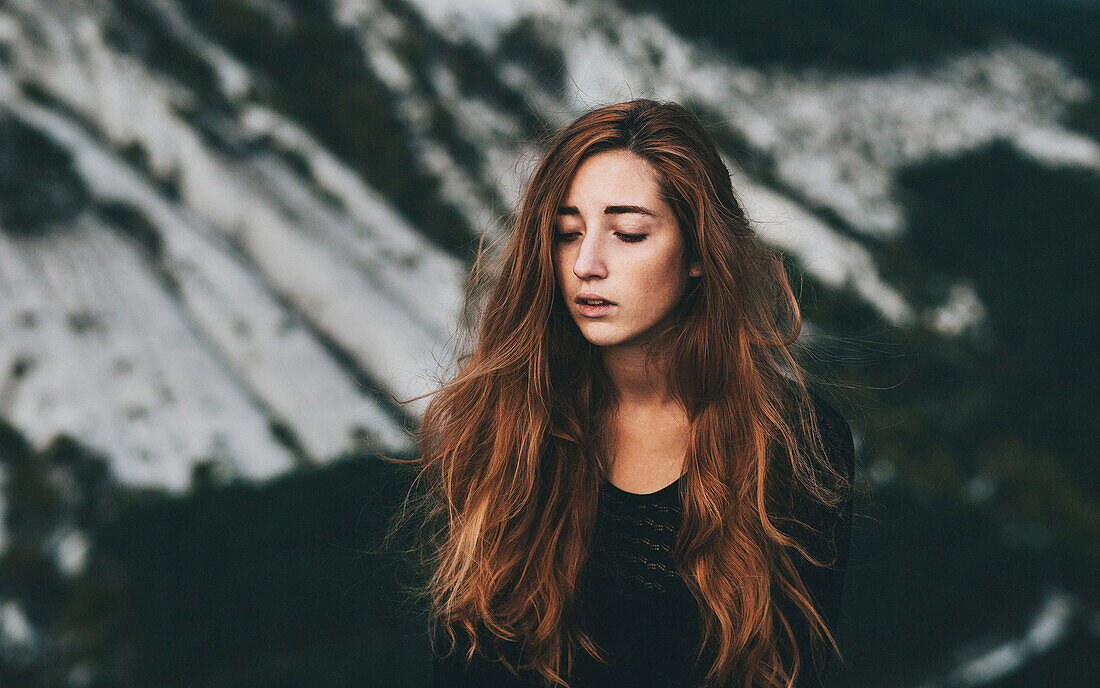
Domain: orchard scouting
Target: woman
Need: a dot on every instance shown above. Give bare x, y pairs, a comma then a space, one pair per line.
627, 482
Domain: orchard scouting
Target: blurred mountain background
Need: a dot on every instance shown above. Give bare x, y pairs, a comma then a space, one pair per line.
233, 231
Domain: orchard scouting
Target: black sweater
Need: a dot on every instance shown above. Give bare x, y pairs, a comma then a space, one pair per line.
635, 605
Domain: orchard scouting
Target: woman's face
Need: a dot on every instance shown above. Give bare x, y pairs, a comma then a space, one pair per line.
616, 239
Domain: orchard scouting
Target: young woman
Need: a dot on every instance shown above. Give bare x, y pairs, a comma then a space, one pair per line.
628, 481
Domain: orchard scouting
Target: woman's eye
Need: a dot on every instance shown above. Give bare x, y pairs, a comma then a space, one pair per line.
628, 238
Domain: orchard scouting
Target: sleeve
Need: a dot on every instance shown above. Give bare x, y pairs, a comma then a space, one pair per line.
826, 584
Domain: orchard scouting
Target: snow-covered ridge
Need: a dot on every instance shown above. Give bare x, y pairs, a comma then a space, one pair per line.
838, 139
293, 287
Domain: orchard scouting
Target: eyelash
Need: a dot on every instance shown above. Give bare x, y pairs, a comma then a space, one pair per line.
628, 238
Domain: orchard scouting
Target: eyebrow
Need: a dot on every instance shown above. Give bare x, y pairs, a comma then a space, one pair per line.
610, 210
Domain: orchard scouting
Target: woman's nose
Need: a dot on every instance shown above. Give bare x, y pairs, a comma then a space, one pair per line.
590, 259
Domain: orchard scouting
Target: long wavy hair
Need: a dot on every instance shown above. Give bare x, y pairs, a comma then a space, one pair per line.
513, 449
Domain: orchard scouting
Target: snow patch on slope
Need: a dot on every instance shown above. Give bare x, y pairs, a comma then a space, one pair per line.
277, 366
482, 20
1049, 627
832, 258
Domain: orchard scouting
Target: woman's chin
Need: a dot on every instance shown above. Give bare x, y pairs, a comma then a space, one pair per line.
600, 337
606, 339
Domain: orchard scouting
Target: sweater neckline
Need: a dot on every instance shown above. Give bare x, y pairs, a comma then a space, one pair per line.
665, 491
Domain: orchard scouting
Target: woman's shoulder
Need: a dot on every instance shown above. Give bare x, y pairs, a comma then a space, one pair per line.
836, 435
835, 430
819, 525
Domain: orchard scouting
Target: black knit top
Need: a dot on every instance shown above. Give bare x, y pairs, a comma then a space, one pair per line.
636, 606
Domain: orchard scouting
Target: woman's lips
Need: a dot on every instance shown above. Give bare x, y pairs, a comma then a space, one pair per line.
594, 311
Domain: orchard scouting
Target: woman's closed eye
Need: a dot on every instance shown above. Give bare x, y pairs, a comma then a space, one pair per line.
566, 237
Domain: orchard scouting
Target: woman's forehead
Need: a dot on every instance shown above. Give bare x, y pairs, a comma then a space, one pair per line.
615, 178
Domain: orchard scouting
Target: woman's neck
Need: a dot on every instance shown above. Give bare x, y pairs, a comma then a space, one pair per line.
638, 382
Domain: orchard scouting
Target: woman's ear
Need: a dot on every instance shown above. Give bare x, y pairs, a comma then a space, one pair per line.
696, 269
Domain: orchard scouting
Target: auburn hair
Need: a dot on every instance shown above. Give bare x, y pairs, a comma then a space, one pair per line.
514, 447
